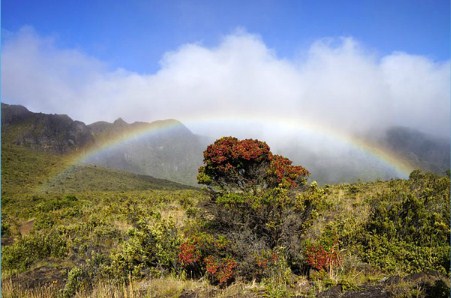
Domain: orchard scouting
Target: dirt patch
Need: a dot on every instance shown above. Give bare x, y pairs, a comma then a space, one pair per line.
423, 284
26, 227
40, 277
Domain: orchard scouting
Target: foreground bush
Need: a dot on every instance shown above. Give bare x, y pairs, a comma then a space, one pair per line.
408, 229
255, 210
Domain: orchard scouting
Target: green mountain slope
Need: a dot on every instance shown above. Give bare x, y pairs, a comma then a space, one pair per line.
29, 171
164, 149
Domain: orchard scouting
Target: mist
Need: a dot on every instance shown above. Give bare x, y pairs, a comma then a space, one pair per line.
240, 87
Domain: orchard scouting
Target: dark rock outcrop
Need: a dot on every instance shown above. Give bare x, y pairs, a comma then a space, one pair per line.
52, 133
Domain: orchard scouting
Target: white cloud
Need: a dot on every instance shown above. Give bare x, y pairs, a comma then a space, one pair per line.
337, 83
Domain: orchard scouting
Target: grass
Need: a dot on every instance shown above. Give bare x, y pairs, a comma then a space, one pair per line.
167, 287
11, 290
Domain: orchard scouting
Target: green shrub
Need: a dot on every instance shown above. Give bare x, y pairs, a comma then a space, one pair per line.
6, 227
57, 203
44, 221
253, 227
408, 229
149, 248
73, 283
34, 247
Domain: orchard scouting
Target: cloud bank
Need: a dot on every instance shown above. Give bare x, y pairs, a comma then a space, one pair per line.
336, 82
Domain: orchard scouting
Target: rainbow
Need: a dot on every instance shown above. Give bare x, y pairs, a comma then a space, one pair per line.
256, 128
140, 131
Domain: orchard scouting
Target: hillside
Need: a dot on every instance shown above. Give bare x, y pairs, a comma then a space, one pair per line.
164, 149
92, 230
88, 231
430, 153
28, 171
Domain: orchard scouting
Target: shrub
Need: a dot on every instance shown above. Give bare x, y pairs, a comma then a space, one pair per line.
74, 278
57, 203
34, 247
194, 252
253, 223
323, 258
233, 165
150, 247
255, 205
220, 270
189, 255
408, 229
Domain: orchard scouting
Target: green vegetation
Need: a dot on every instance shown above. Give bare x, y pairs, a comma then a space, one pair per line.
93, 232
254, 217
26, 171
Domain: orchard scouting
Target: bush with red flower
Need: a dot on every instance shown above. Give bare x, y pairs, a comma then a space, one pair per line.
247, 166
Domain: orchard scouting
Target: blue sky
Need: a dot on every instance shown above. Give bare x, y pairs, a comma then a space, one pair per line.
348, 65
135, 35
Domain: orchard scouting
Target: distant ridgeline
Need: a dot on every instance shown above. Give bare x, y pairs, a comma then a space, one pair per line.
51, 133
428, 152
167, 149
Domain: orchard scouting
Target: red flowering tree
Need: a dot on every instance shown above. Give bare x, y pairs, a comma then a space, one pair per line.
248, 165
252, 205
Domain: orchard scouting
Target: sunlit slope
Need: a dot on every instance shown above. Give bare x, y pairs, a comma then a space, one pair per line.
24, 171
29, 171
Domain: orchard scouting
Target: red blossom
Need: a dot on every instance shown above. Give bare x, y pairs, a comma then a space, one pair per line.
281, 170
188, 254
220, 269
210, 265
247, 163
320, 258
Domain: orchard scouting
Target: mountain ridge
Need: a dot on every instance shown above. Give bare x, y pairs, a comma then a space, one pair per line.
167, 149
